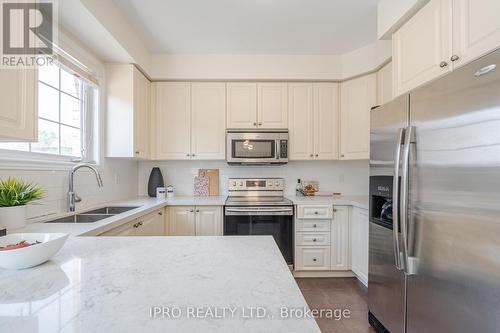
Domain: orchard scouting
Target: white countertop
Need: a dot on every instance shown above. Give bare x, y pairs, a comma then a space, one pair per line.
109, 284
359, 201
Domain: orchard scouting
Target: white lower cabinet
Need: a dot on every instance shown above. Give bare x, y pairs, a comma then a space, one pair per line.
152, 224
322, 238
312, 258
340, 235
195, 221
359, 243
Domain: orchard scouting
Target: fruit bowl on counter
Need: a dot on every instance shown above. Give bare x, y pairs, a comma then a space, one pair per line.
19, 251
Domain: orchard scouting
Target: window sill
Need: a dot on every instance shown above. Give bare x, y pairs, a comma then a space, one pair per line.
10, 160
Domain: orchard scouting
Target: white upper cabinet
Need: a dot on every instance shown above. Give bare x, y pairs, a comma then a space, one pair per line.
326, 120
272, 111
189, 120
128, 112
241, 105
300, 121
476, 29
442, 36
357, 97
423, 46
257, 105
384, 84
208, 102
18, 105
313, 118
171, 120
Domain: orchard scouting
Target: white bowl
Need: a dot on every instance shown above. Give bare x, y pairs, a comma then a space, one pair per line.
32, 255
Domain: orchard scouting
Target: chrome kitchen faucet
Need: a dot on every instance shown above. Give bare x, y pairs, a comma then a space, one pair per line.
72, 197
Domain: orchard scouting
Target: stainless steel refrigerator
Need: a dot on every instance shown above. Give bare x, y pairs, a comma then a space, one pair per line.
434, 246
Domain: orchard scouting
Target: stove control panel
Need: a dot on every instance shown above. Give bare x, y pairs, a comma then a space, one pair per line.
256, 184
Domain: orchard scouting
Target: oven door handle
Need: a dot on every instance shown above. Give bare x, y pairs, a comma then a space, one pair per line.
259, 211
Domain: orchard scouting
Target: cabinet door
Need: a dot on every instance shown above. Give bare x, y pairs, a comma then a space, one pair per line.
315, 258
18, 105
127, 229
326, 120
300, 121
181, 221
357, 97
208, 221
152, 224
208, 115
340, 236
142, 119
384, 84
476, 29
421, 45
241, 105
172, 120
359, 245
272, 99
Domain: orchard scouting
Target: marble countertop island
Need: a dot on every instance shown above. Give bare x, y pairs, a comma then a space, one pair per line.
156, 284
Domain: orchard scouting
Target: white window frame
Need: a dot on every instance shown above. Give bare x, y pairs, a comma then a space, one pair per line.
90, 138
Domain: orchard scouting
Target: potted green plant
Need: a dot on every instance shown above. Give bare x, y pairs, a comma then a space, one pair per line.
14, 195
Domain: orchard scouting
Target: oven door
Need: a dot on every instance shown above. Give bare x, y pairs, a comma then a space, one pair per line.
268, 221
256, 148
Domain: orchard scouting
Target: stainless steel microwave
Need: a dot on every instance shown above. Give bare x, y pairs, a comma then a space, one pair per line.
253, 147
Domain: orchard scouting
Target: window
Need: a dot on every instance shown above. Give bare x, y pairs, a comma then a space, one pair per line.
66, 104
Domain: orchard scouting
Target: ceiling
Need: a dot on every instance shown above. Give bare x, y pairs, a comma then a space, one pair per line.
253, 26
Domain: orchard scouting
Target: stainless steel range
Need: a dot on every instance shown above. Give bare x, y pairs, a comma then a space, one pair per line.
256, 206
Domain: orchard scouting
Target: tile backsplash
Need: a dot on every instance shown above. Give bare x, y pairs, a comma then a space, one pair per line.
347, 177
119, 178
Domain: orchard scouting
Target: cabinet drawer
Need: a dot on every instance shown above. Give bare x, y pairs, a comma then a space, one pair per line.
312, 238
313, 225
315, 212
312, 258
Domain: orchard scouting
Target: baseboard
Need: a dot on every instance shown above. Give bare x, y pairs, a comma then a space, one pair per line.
308, 274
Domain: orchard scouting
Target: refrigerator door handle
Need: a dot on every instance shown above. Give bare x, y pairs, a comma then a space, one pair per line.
395, 200
403, 200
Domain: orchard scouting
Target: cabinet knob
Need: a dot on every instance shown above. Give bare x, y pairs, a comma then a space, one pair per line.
342, 155
255, 124
160, 213
188, 155
191, 210
260, 124
316, 155
443, 64
454, 57
137, 152
314, 239
136, 225
197, 210
334, 210
140, 223
314, 259
311, 155
315, 225
316, 213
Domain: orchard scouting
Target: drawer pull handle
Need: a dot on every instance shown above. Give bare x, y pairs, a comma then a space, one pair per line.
314, 259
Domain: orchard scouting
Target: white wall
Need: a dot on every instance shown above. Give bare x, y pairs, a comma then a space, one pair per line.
55, 184
391, 14
348, 177
270, 67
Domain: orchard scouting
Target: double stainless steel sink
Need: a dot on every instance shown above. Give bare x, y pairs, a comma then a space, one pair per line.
92, 215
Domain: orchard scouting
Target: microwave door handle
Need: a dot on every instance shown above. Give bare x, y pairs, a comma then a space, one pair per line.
276, 149
395, 199
403, 199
